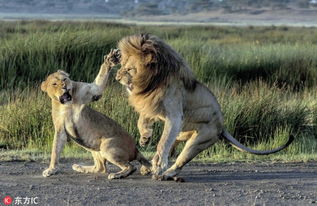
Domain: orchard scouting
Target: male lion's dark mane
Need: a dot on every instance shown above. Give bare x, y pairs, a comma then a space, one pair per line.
162, 64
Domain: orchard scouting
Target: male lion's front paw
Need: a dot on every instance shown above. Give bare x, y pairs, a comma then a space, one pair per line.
48, 172
159, 164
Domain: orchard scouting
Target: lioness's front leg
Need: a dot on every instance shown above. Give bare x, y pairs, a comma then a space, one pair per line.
145, 129
92, 91
58, 144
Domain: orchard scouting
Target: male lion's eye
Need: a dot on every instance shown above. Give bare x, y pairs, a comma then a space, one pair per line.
64, 79
54, 84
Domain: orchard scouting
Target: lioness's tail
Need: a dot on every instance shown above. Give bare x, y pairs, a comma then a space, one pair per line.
143, 161
243, 148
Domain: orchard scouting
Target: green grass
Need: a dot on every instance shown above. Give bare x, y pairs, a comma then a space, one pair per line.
264, 78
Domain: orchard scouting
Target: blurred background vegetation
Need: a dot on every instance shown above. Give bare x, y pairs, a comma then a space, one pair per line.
147, 7
264, 78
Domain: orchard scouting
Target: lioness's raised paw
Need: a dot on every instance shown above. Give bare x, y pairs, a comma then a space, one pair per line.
113, 58
49, 172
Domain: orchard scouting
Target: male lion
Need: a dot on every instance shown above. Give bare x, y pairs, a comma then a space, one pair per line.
163, 87
95, 132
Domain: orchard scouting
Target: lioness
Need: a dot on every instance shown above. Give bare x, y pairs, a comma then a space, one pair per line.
95, 132
162, 87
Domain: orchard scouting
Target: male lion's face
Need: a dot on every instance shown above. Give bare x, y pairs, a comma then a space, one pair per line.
127, 71
58, 86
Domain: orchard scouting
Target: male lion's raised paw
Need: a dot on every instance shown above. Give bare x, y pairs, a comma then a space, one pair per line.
48, 172
144, 141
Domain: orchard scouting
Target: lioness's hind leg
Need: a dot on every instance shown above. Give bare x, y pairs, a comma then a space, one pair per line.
118, 157
126, 170
98, 167
206, 136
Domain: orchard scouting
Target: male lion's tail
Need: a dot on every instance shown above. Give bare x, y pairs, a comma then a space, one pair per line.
243, 148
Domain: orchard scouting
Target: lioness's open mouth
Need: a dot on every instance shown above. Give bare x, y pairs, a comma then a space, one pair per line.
66, 97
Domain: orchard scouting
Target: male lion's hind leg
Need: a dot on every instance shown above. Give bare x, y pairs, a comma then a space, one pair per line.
206, 136
98, 167
145, 129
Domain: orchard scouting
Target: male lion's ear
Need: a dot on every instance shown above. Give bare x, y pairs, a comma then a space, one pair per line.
149, 52
144, 37
150, 58
63, 72
43, 86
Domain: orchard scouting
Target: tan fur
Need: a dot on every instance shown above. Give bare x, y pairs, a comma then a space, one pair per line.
95, 132
164, 88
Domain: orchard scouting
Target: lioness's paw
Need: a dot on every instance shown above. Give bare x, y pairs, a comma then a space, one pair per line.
145, 170
113, 58
48, 172
112, 176
77, 168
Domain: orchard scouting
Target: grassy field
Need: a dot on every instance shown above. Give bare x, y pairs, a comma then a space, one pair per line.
264, 78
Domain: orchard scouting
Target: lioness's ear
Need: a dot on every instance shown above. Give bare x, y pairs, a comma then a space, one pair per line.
63, 72
43, 86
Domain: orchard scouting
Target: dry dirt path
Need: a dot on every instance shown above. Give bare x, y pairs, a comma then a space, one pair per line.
206, 184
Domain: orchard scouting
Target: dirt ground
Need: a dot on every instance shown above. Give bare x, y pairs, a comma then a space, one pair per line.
206, 184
